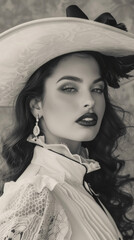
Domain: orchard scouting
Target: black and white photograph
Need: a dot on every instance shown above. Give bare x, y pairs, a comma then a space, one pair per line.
66, 120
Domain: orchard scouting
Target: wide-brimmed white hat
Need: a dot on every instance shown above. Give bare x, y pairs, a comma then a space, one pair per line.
26, 47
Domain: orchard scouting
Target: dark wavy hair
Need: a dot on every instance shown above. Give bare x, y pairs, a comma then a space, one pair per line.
107, 182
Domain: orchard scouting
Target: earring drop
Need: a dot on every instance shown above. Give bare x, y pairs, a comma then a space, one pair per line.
36, 129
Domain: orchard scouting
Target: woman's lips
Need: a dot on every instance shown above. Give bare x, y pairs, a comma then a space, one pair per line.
88, 119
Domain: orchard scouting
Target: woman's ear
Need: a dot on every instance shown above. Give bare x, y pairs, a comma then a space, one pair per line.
36, 107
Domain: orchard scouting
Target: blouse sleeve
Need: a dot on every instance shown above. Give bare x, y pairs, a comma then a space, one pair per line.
33, 215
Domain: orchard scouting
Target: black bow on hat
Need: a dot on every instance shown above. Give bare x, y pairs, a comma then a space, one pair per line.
106, 18
120, 66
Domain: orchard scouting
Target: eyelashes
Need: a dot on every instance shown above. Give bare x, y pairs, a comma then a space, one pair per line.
70, 89
98, 90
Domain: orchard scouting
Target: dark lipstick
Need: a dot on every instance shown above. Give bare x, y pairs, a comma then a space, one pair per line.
88, 119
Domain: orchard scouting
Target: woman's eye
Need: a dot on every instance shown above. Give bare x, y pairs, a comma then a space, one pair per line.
98, 90
69, 89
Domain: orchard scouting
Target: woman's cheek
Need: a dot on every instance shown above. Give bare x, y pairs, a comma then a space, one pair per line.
54, 111
62, 104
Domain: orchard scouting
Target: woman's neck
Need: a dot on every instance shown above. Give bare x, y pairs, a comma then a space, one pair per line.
74, 146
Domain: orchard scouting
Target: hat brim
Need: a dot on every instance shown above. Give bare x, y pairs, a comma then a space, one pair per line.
26, 47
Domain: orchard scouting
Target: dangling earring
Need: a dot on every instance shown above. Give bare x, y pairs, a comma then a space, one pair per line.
36, 129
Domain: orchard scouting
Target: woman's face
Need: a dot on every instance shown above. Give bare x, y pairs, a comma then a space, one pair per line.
75, 88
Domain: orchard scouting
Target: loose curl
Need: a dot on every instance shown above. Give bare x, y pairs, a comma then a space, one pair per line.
18, 152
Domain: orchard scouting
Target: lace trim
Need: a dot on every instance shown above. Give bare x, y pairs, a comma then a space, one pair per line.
34, 216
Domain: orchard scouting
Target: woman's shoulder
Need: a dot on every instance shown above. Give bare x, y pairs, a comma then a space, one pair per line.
24, 191
29, 208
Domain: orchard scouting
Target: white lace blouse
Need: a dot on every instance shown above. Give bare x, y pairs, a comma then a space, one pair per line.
50, 201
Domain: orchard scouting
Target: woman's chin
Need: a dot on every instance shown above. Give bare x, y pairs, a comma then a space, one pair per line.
88, 139
88, 136
84, 138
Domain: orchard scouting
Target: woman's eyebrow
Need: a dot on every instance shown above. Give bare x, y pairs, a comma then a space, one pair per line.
77, 79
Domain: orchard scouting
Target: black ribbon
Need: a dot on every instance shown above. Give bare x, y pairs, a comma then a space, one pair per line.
105, 18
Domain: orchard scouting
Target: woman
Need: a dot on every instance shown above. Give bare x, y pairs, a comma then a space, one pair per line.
63, 180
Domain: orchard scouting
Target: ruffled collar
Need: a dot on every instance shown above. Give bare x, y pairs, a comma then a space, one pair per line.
62, 149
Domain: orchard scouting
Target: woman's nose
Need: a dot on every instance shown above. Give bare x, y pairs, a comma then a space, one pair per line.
88, 101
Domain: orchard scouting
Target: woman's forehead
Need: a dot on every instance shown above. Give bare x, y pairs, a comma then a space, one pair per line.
77, 63
77, 69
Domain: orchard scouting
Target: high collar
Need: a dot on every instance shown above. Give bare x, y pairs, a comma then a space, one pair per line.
62, 160
60, 148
